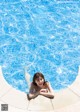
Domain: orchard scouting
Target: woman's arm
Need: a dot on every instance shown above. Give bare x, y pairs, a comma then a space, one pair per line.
49, 93
33, 95
32, 92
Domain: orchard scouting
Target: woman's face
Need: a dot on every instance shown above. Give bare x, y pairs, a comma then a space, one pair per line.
39, 81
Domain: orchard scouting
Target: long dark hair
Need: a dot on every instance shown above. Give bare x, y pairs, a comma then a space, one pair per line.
37, 75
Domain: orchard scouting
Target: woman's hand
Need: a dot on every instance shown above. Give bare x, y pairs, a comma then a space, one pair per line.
43, 91
47, 93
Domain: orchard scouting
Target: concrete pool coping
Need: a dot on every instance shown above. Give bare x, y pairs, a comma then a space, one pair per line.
66, 100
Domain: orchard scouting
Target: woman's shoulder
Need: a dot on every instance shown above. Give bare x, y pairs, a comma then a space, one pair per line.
32, 84
47, 83
32, 88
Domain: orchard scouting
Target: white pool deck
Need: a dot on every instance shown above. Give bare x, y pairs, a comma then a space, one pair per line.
66, 100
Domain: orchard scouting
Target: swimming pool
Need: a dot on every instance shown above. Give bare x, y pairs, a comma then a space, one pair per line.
42, 35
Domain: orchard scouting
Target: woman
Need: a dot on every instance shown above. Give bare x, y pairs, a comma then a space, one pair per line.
40, 87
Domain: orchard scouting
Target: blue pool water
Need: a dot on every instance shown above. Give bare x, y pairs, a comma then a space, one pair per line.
44, 36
